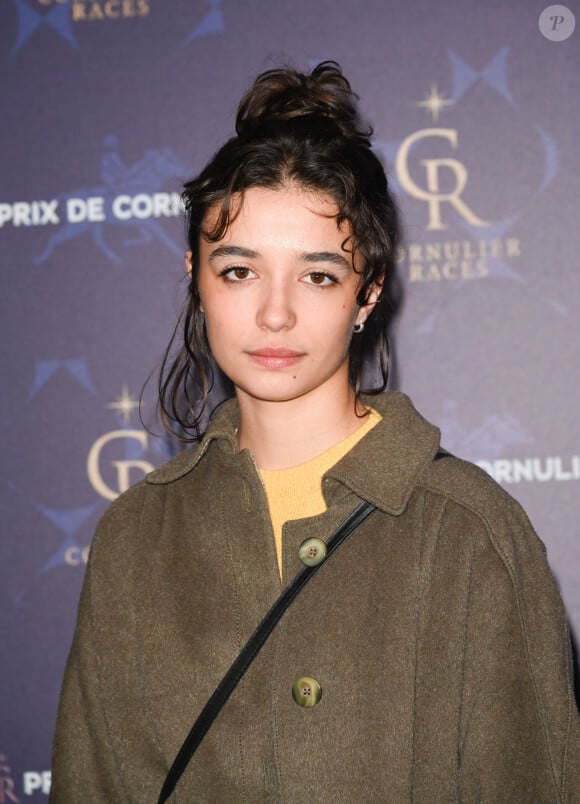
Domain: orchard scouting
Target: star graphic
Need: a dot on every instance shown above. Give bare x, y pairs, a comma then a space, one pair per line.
434, 102
59, 18
125, 405
212, 23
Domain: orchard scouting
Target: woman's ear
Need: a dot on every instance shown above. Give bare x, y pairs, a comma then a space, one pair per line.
372, 298
374, 295
189, 269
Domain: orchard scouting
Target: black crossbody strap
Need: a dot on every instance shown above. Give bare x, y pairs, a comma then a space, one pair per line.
251, 650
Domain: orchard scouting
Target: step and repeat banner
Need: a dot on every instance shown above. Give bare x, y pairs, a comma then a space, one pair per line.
109, 105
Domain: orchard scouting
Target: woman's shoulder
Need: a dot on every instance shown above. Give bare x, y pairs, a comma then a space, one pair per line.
134, 524
406, 432
453, 478
458, 484
466, 486
151, 497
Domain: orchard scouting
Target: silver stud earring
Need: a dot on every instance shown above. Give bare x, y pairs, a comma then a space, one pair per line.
358, 328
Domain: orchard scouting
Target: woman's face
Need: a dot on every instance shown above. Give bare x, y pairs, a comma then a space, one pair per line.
279, 296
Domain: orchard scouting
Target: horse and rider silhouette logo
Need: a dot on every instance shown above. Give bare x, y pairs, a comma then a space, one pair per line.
147, 175
487, 440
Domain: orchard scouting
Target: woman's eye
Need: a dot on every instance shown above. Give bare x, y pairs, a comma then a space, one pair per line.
320, 278
236, 274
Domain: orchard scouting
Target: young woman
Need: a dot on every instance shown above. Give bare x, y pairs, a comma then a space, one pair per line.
427, 660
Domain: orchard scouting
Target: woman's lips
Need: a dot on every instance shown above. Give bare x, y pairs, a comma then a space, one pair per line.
273, 357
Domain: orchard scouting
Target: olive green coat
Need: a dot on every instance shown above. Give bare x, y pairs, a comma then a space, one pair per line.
436, 633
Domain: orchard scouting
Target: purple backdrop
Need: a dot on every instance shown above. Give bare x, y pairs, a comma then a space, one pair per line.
108, 105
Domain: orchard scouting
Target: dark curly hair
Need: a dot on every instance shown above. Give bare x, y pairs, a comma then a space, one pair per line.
291, 128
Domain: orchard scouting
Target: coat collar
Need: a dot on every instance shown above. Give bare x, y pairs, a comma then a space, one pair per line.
383, 468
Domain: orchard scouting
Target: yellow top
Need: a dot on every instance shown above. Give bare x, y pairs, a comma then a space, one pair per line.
296, 492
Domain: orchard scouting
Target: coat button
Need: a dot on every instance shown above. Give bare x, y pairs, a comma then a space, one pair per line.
312, 551
306, 691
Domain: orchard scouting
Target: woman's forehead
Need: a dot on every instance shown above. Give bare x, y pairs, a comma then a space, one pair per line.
291, 207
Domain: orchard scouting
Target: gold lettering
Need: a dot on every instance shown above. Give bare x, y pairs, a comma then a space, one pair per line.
112, 10
468, 251
415, 252
74, 555
106, 9
454, 259
466, 269
481, 268
123, 467
415, 272
451, 250
432, 194
433, 272
96, 12
79, 11
449, 270
432, 251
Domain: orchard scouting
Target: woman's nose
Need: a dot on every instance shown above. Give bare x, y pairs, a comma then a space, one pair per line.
276, 310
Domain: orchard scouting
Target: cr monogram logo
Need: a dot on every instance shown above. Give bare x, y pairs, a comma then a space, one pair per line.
123, 467
432, 193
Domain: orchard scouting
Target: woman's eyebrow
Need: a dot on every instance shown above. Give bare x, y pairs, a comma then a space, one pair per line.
326, 256
232, 251
307, 256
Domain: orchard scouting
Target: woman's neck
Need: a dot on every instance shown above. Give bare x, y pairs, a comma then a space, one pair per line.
288, 433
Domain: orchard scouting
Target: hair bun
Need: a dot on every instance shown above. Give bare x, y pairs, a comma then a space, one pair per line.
285, 94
